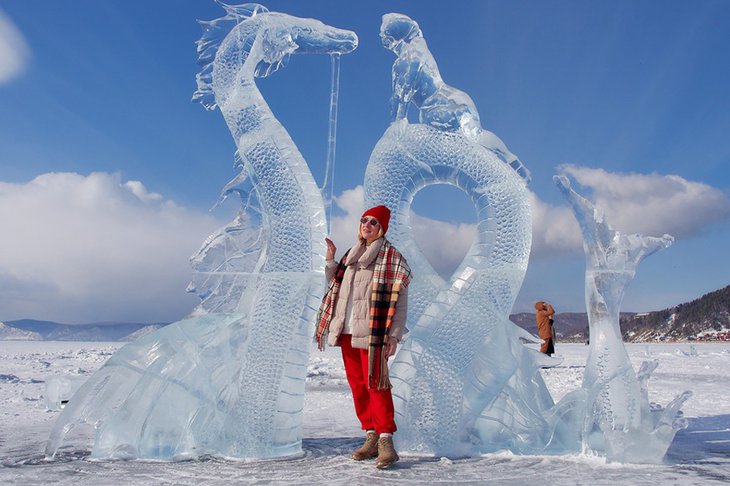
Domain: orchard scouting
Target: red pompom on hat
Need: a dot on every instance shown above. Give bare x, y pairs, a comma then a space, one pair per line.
382, 214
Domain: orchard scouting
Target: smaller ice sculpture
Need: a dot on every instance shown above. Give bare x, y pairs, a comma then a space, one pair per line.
619, 418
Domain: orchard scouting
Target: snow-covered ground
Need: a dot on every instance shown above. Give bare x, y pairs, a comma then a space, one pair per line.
698, 455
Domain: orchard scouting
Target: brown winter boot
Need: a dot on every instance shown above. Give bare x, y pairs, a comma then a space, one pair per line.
386, 453
369, 449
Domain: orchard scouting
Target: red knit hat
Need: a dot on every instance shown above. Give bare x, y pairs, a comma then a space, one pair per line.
382, 214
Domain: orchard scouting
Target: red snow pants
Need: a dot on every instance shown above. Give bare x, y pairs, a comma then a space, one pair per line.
373, 407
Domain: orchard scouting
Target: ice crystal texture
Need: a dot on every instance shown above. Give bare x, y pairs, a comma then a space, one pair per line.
229, 381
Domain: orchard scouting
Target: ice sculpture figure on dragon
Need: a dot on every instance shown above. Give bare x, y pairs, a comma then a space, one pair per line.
229, 380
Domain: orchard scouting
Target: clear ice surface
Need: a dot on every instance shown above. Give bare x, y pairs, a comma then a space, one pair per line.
229, 380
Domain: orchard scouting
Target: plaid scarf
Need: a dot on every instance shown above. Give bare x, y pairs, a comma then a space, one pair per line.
391, 274
324, 316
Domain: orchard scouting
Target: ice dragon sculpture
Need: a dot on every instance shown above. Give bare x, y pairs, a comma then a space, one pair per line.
464, 384
229, 381
463, 356
618, 416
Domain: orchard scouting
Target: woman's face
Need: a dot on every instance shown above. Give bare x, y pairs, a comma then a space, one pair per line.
369, 228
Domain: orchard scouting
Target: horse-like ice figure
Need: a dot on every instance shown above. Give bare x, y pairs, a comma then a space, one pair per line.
230, 381
618, 416
417, 81
463, 381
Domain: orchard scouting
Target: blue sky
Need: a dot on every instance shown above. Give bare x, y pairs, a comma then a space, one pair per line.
107, 170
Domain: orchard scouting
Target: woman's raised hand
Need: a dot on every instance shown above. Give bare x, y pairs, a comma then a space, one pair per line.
331, 249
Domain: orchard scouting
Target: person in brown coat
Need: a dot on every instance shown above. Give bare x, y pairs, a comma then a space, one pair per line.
544, 317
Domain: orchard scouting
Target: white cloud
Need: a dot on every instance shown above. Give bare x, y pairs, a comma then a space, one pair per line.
14, 51
554, 229
90, 248
344, 228
444, 244
652, 204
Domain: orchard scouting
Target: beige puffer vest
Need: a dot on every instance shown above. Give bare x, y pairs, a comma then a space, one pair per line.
358, 283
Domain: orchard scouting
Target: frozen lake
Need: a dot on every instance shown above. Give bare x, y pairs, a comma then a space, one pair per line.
698, 455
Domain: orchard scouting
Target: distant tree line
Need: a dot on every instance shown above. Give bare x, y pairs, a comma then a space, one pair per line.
709, 312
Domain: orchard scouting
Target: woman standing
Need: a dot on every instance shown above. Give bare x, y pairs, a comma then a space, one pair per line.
364, 312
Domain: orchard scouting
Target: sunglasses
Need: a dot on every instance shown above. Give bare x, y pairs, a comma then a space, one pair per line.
371, 222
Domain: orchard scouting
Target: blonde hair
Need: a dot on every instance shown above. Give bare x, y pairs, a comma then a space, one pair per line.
359, 233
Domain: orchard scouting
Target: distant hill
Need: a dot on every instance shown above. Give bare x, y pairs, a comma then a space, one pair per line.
142, 332
54, 331
706, 318
8, 333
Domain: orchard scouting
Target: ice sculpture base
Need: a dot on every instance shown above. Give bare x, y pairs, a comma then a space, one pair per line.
207, 385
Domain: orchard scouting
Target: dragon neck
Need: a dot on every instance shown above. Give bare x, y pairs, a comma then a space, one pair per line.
249, 117
290, 200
